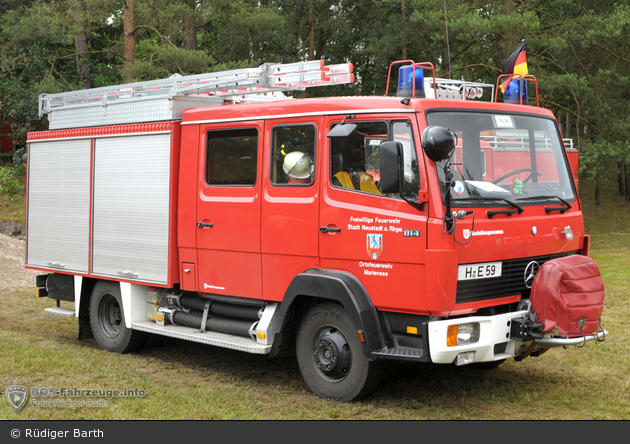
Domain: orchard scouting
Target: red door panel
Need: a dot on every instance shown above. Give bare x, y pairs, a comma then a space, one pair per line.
289, 219
228, 209
380, 239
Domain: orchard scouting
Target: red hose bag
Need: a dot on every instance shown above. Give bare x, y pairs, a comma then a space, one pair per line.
567, 293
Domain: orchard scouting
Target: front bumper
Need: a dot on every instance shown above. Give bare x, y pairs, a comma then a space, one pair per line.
496, 339
494, 343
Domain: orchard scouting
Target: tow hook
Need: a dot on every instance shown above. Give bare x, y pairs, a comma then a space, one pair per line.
522, 329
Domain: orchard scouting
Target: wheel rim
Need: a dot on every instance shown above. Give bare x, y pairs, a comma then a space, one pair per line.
331, 354
109, 316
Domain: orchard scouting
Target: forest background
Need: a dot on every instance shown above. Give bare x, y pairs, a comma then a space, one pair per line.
578, 50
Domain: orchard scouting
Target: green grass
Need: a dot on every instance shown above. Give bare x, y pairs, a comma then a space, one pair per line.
189, 381
12, 208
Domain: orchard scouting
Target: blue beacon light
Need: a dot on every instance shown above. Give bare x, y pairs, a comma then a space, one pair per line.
513, 91
405, 81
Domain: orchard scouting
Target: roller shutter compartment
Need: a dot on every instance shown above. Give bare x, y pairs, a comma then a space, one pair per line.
131, 207
58, 207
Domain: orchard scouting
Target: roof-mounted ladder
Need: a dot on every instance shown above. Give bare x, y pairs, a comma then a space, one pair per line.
166, 99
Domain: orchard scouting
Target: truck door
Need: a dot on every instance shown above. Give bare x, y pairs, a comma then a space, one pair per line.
381, 239
228, 209
290, 230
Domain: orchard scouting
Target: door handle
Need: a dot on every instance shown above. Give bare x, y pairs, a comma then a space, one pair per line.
204, 225
329, 230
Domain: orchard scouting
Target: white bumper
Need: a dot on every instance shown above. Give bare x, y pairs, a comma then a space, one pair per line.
494, 331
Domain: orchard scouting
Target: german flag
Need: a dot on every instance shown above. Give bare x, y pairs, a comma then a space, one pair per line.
515, 64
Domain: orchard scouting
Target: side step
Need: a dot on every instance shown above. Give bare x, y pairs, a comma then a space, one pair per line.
209, 337
400, 353
60, 311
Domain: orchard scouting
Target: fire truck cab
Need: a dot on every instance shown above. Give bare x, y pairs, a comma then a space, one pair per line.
343, 230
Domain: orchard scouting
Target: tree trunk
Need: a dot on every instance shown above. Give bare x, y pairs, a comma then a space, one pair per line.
446, 49
129, 40
311, 17
190, 33
627, 183
80, 44
403, 31
620, 179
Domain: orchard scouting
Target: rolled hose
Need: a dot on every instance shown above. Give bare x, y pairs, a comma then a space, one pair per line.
235, 327
220, 308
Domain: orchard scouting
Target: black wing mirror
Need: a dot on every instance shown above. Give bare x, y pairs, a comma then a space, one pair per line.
391, 161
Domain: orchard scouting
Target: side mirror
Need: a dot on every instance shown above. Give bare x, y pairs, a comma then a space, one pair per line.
391, 167
438, 142
342, 130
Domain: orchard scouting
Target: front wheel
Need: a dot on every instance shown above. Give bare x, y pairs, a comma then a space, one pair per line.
330, 355
108, 322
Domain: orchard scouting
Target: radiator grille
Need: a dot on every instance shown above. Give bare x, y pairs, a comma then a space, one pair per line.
510, 283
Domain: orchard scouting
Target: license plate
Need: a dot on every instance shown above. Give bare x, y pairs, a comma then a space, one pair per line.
479, 271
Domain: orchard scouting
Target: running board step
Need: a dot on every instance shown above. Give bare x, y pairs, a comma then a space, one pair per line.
400, 353
60, 311
209, 337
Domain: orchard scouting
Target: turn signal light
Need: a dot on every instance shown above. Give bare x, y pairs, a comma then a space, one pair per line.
451, 336
463, 334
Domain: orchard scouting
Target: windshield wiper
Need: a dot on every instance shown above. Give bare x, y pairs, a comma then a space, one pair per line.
550, 209
493, 199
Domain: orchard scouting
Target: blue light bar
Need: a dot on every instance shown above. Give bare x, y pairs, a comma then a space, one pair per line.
513, 91
405, 81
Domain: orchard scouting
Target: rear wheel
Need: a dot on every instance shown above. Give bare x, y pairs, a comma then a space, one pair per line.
108, 321
330, 355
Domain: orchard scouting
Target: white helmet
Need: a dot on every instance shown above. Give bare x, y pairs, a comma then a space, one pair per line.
298, 165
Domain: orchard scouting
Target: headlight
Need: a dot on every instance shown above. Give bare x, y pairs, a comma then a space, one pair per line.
463, 334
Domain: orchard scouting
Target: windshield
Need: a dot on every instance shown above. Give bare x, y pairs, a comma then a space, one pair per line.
501, 156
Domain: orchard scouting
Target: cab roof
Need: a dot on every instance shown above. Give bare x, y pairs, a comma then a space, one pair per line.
344, 106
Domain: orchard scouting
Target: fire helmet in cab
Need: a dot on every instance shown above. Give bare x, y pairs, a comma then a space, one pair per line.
298, 165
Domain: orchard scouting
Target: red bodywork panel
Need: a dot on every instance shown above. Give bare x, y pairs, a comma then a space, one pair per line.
254, 239
414, 275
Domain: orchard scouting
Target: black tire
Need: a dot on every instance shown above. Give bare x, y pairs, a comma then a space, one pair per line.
108, 321
330, 355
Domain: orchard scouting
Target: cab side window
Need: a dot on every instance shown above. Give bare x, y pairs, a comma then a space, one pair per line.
293, 151
401, 132
355, 159
232, 157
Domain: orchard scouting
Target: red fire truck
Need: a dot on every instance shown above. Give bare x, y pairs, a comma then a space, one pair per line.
346, 230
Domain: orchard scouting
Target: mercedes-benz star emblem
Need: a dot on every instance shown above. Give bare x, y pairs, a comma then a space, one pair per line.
530, 273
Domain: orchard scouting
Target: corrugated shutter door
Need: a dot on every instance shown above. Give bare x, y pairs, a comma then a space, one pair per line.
131, 207
58, 205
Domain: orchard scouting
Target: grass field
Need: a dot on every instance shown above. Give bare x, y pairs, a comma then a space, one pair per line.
189, 381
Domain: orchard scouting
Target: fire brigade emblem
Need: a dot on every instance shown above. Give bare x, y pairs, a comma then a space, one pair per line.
374, 245
17, 396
